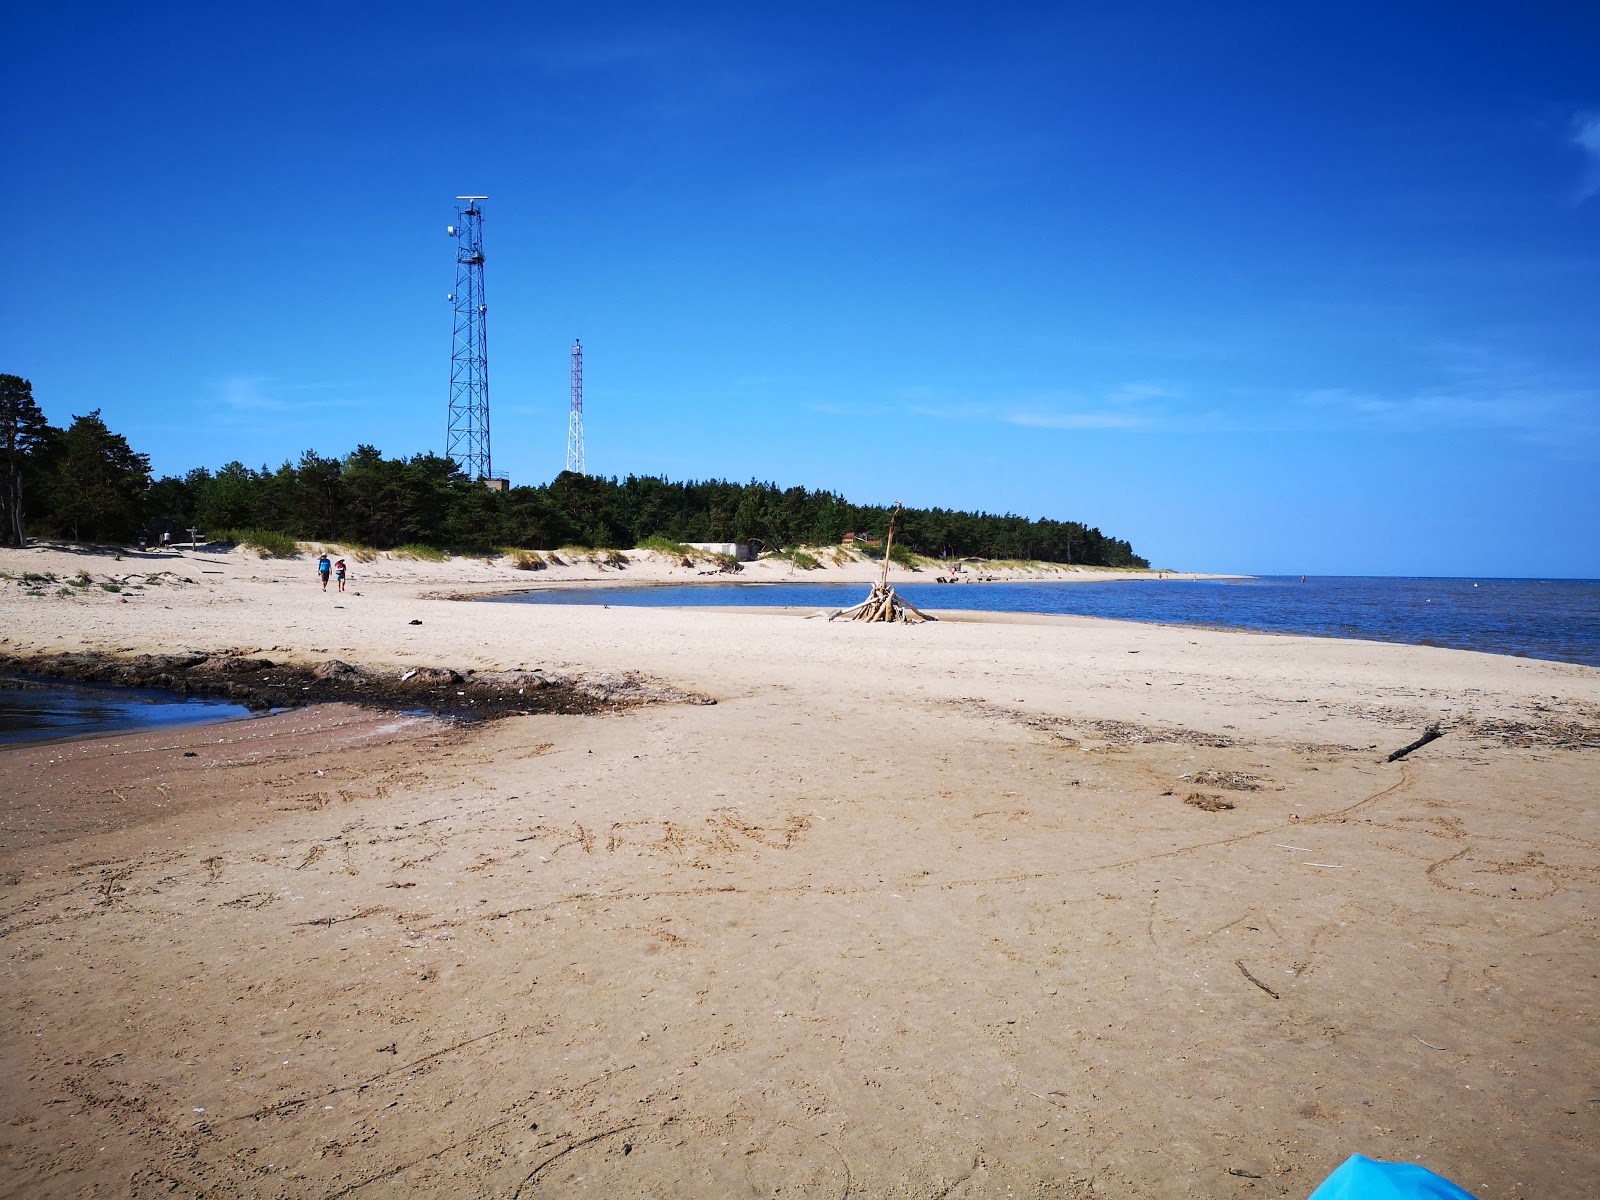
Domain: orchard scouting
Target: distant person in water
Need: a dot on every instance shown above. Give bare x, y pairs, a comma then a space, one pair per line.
323, 567
338, 573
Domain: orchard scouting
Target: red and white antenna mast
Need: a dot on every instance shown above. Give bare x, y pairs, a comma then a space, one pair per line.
575, 459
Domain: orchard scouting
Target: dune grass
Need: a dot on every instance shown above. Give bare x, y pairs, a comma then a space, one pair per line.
664, 545
802, 559
899, 554
600, 558
418, 552
265, 542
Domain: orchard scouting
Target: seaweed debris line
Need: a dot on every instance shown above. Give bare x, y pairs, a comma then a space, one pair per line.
261, 684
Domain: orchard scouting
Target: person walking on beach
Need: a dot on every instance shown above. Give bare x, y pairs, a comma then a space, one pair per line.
323, 567
338, 573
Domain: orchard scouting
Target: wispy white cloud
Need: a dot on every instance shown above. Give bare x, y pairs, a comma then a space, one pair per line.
648, 75
835, 408
1129, 407
1532, 411
1078, 420
1476, 390
1586, 137
951, 410
240, 396
249, 393
596, 54
1477, 387
1141, 393
891, 179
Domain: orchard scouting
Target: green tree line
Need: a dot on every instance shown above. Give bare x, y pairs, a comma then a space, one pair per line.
85, 482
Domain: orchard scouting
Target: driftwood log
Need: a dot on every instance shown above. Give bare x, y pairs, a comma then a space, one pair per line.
1432, 733
882, 604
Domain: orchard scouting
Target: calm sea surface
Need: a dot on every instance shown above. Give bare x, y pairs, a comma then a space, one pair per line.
1555, 619
34, 710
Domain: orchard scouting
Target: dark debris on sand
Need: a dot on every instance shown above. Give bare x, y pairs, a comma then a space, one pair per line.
261, 684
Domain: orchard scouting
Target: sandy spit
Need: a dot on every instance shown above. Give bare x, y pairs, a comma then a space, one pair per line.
1058, 907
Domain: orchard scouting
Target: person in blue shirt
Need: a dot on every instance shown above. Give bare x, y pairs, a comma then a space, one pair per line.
323, 567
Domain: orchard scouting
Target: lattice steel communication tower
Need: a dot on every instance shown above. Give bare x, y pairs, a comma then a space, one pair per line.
575, 461
467, 435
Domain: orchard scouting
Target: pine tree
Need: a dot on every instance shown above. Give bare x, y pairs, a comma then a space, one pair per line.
100, 483
23, 434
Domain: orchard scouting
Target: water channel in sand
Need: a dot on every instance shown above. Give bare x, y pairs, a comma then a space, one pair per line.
37, 710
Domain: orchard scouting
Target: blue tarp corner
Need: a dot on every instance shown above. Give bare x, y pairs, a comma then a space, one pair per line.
1363, 1178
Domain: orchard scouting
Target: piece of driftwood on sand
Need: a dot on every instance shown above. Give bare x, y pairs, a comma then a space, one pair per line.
1432, 733
882, 604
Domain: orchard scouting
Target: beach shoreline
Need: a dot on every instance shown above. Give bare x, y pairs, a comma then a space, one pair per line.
472, 577
1058, 905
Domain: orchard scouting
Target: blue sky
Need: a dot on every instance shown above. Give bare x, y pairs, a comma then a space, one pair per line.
1260, 287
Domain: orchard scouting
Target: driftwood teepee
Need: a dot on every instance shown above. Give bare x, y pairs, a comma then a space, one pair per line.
882, 604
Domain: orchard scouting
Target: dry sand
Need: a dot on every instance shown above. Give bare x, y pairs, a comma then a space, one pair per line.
910, 912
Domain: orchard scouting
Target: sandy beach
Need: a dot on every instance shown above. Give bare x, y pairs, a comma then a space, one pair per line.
1010, 906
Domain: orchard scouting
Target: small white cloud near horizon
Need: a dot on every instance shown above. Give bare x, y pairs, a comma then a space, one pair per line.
1129, 407
835, 408
243, 393
263, 394
1127, 422
576, 56
1533, 410
1136, 393
1138, 406
1586, 137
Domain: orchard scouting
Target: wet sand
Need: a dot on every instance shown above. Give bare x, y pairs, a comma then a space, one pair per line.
1050, 907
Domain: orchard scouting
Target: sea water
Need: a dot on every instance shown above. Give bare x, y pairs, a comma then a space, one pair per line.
1556, 619
36, 710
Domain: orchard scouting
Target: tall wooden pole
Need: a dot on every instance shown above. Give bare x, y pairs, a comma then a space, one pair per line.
888, 544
